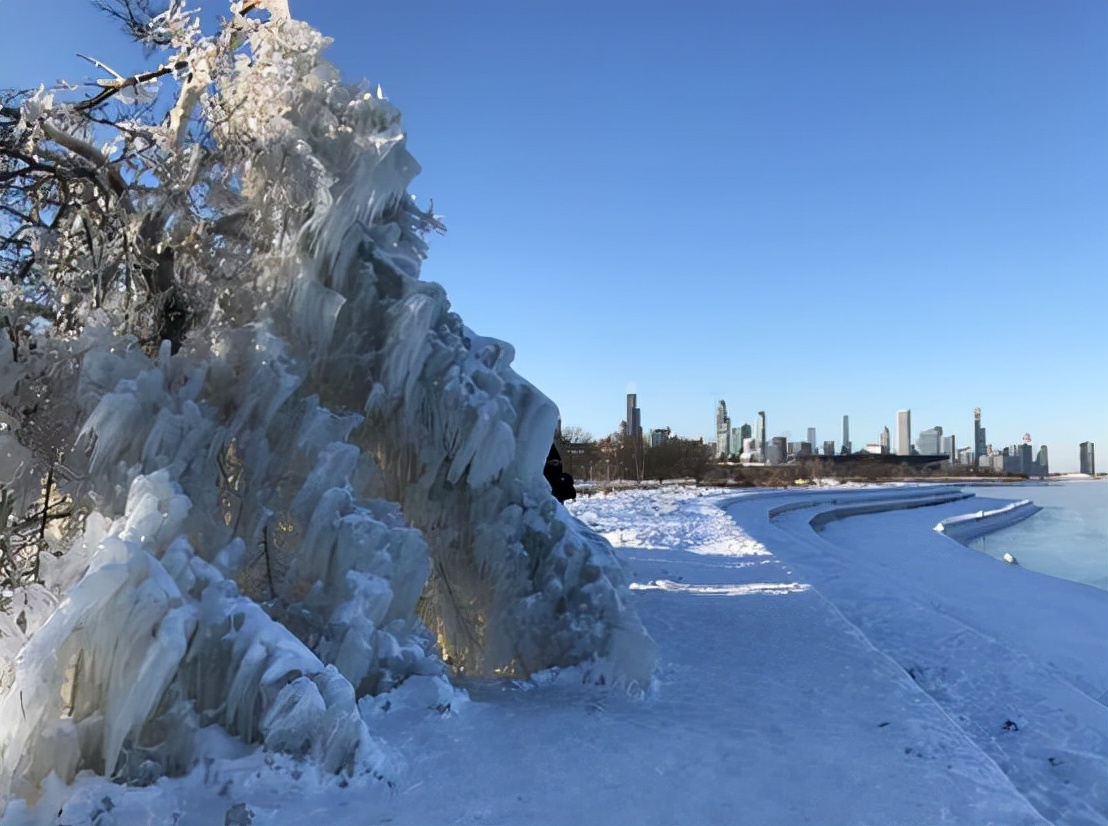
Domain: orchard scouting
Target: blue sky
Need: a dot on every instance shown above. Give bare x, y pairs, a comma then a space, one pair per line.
805, 208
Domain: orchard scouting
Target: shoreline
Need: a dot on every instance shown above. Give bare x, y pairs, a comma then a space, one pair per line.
590, 487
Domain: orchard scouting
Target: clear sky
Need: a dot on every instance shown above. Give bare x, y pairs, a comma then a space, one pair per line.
808, 208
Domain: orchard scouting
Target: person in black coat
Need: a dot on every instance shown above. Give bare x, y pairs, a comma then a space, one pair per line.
561, 483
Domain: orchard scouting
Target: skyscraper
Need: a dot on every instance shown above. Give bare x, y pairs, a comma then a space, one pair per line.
1043, 460
760, 436
846, 434
904, 432
723, 430
1087, 458
886, 443
1025, 458
930, 441
634, 432
949, 448
812, 437
979, 449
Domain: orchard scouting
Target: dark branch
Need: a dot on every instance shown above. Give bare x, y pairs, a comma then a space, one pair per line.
138, 19
110, 88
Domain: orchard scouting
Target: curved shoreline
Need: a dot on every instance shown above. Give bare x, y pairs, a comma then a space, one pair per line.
1006, 652
837, 504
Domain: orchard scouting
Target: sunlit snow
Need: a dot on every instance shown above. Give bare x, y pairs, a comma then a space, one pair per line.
870, 671
314, 572
329, 488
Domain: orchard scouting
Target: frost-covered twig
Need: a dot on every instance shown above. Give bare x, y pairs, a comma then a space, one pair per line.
238, 353
110, 88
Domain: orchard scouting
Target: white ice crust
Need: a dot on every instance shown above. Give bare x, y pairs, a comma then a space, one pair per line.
308, 505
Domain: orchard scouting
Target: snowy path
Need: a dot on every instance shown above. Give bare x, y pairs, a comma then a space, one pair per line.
1018, 659
771, 706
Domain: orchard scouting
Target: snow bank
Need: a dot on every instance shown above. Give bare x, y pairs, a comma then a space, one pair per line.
774, 701
150, 645
1014, 658
972, 525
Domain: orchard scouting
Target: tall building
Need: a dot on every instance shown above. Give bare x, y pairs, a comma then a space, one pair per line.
979, 449
812, 437
777, 450
989, 459
886, 441
829, 448
723, 431
1087, 458
930, 441
798, 449
846, 435
760, 436
634, 432
904, 432
745, 432
1026, 459
659, 436
1043, 460
949, 448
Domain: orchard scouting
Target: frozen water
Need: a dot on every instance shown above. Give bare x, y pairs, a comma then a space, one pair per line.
328, 491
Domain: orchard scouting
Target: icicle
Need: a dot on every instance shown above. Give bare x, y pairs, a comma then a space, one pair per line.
337, 440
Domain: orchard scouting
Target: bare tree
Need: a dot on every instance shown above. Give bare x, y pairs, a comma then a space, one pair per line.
575, 435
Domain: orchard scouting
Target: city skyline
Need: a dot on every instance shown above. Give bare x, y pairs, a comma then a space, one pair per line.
1046, 419
938, 439
671, 189
1003, 427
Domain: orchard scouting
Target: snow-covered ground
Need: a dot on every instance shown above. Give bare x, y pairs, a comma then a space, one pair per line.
870, 671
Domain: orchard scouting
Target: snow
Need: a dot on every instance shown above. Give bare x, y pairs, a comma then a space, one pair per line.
971, 525
311, 544
330, 487
865, 670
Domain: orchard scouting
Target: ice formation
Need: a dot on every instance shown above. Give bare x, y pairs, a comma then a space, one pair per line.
334, 486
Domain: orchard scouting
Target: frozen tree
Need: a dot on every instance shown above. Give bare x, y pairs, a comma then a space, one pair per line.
281, 476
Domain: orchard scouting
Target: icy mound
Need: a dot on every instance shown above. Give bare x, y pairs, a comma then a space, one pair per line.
331, 482
151, 644
972, 525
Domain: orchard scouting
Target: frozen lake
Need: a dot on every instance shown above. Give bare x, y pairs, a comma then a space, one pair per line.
1068, 538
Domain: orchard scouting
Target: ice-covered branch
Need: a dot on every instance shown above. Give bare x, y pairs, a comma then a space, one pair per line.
308, 482
118, 83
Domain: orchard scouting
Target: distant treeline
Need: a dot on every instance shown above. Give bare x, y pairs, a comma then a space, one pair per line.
862, 468
615, 458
